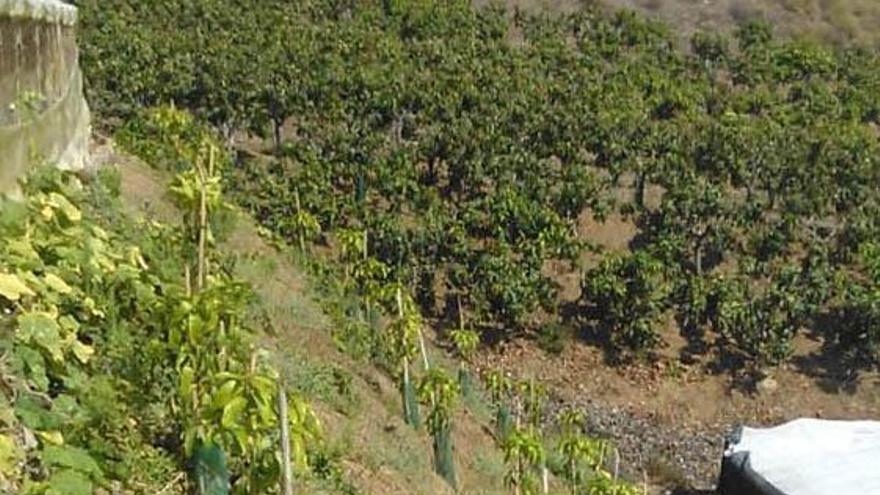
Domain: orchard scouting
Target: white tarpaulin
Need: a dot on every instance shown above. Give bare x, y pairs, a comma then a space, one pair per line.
809, 457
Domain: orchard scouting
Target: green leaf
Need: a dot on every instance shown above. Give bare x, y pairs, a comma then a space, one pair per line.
35, 367
55, 283
12, 288
69, 482
53, 437
70, 211
82, 351
35, 416
68, 323
185, 383
225, 394
10, 454
66, 456
41, 329
232, 412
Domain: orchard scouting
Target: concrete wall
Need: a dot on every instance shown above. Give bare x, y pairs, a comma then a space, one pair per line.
43, 115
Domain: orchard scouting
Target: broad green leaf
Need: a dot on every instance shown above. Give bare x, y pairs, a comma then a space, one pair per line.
35, 367
92, 306
48, 213
82, 351
55, 283
35, 416
266, 411
299, 457
41, 329
222, 376
100, 233
189, 439
185, 382
265, 388
66, 456
53, 437
12, 287
224, 394
22, 252
70, 211
10, 454
68, 323
232, 412
242, 438
69, 482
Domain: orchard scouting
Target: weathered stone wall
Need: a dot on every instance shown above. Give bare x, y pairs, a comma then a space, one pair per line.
43, 115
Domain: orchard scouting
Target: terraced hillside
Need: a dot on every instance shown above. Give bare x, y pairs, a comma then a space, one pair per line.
833, 21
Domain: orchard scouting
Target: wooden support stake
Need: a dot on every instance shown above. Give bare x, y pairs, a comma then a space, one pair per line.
286, 472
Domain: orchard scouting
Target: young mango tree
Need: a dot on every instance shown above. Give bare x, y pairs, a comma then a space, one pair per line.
578, 451
500, 387
524, 454
226, 392
440, 392
402, 341
466, 342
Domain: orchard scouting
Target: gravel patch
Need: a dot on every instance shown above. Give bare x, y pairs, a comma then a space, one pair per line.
679, 454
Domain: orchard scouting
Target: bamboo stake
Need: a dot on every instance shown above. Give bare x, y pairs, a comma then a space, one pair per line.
406, 410
406, 378
187, 277
302, 241
424, 351
368, 306
545, 477
286, 472
203, 217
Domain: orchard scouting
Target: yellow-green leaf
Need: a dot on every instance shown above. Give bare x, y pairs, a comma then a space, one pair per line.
232, 412
47, 212
69, 482
92, 306
186, 382
82, 351
55, 283
41, 329
23, 249
100, 233
10, 454
12, 287
69, 323
67, 208
225, 394
53, 437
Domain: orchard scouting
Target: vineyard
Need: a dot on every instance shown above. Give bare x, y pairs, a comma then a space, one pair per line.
432, 165
465, 144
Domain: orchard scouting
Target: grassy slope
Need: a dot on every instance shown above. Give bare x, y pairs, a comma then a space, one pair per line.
361, 417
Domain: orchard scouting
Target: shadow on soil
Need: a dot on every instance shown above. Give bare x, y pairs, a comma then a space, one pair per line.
830, 367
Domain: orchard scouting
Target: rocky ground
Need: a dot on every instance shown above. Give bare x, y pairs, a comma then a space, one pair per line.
668, 419
676, 457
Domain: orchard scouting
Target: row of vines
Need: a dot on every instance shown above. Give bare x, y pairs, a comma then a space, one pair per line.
379, 320
470, 142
